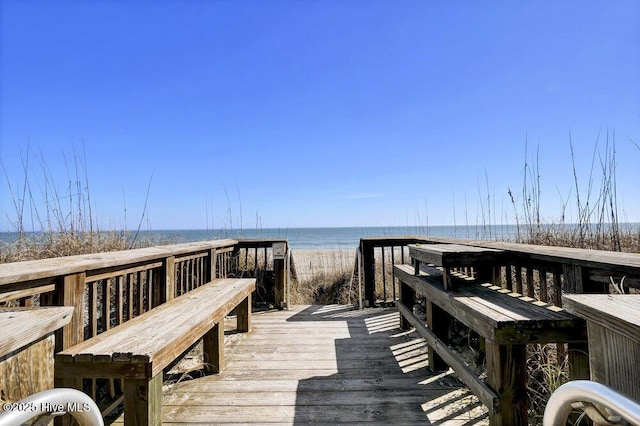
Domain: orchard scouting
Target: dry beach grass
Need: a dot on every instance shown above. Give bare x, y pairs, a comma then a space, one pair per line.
323, 276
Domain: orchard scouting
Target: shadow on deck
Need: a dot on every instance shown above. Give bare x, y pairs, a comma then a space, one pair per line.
324, 365
382, 376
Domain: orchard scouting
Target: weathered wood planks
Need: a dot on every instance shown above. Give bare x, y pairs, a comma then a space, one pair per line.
370, 372
500, 317
506, 321
23, 326
27, 347
140, 349
14, 274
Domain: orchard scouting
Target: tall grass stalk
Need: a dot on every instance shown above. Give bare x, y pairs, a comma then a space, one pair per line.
50, 221
597, 221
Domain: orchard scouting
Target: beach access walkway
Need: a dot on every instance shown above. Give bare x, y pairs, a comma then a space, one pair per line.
324, 365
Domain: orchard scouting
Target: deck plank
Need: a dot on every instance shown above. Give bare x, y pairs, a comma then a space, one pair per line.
323, 364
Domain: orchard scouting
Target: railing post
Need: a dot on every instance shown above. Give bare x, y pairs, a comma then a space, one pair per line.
279, 271
70, 291
211, 265
369, 274
279, 250
169, 269
575, 278
235, 261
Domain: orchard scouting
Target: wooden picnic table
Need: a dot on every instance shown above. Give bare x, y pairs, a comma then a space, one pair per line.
456, 255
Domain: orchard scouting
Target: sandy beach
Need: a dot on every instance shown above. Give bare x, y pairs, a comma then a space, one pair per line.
310, 263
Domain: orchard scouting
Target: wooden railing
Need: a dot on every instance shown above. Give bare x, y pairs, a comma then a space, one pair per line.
540, 272
379, 254
268, 261
109, 289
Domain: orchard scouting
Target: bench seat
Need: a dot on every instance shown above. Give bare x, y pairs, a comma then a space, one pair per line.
496, 314
140, 349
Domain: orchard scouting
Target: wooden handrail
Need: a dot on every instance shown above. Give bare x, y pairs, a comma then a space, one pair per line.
569, 270
30, 270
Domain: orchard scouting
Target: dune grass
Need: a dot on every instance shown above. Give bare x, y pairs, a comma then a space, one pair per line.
53, 218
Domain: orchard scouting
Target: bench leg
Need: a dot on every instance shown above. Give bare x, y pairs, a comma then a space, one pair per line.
243, 312
143, 401
507, 376
438, 321
213, 348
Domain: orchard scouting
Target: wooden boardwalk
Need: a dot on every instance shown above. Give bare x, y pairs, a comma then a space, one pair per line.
323, 365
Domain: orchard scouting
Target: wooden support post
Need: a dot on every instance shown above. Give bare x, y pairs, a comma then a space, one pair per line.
446, 278
438, 321
393, 273
576, 280
70, 291
143, 401
384, 278
243, 314
573, 279
579, 368
213, 348
507, 376
280, 273
169, 272
211, 265
369, 266
408, 299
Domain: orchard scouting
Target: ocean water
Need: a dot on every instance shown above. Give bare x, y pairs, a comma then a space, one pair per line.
321, 238
349, 238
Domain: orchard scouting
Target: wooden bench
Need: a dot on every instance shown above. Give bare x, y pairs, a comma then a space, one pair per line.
506, 321
140, 349
27, 345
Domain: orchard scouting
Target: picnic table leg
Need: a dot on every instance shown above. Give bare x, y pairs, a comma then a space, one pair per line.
213, 348
408, 299
143, 401
438, 321
579, 361
507, 376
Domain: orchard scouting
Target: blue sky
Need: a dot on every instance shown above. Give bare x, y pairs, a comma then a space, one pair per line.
316, 113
